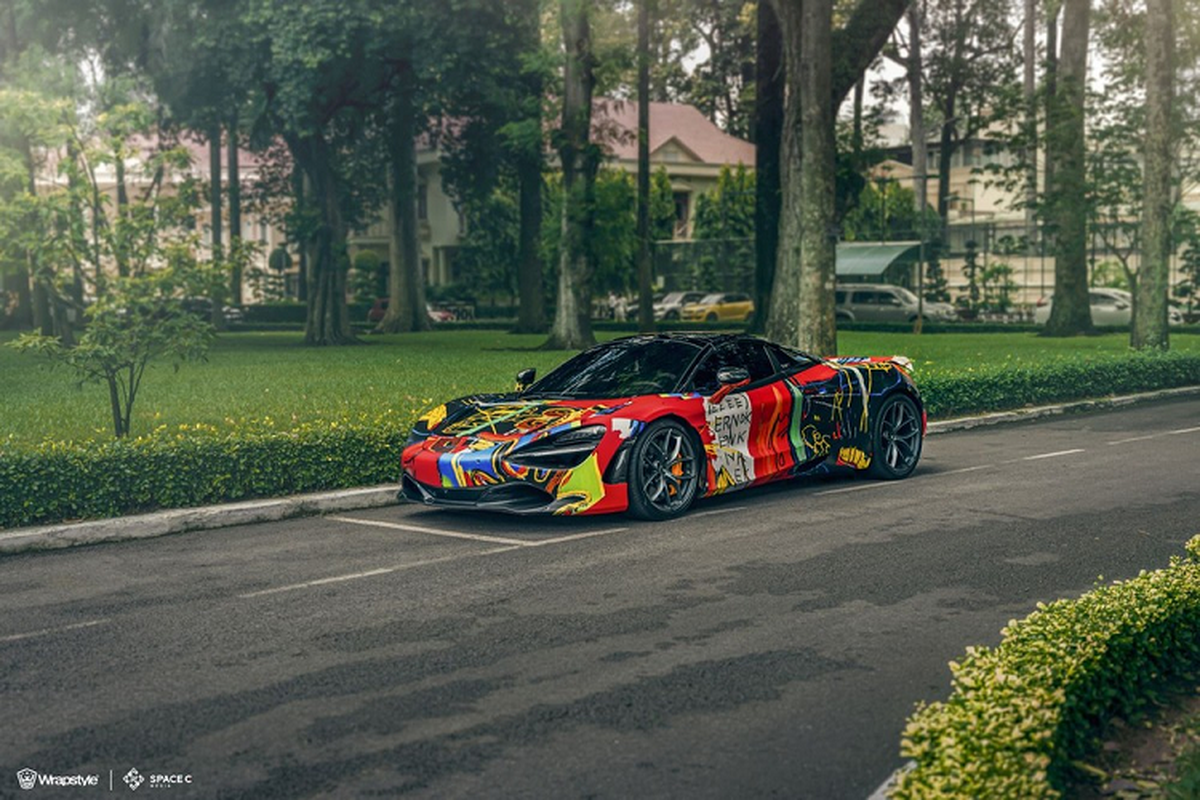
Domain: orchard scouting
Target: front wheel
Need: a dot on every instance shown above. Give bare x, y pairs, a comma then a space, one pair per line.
664, 471
896, 439
712, 317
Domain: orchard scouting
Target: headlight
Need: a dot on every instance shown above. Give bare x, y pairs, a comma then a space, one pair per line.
565, 450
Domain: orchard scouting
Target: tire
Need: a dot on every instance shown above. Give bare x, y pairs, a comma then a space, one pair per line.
671, 315
896, 439
664, 471
712, 317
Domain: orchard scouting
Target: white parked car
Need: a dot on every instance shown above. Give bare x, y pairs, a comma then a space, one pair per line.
1109, 307
884, 302
670, 306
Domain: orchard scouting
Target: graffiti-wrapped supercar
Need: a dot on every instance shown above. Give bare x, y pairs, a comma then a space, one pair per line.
649, 423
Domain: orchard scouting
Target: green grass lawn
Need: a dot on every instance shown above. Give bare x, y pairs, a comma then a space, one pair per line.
259, 376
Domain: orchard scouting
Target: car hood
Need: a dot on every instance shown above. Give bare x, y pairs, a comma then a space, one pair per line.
509, 415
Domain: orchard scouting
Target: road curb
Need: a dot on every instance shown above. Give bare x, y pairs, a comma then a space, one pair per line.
1041, 412
183, 520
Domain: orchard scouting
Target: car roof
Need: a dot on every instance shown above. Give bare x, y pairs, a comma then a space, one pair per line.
700, 338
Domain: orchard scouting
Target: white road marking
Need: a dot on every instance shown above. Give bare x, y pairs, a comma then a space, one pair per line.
1053, 455
574, 536
430, 531
1155, 435
965, 469
16, 637
510, 545
370, 573
858, 488
717, 511
1137, 438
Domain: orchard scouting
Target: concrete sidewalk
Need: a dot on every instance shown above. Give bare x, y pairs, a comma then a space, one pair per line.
162, 523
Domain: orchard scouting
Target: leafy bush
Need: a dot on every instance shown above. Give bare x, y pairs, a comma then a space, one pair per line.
194, 465
1019, 714
994, 388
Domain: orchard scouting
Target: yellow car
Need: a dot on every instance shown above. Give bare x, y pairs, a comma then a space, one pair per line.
720, 307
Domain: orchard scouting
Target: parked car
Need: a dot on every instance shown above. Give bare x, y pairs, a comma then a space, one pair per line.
648, 423
380, 307
1109, 307
672, 303
202, 307
720, 307
884, 302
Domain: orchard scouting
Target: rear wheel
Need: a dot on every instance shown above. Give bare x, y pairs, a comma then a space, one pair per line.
664, 471
896, 438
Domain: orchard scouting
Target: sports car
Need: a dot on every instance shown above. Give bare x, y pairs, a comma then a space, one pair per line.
648, 423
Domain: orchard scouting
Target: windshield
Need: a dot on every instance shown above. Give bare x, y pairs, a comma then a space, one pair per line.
908, 296
711, 299
623, 368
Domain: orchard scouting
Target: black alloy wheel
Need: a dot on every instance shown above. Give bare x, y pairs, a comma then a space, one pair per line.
664, 471
896, 439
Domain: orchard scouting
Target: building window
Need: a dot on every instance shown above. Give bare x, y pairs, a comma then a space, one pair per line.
422, 201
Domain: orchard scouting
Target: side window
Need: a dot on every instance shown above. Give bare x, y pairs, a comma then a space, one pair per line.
789, 361
839, 297
888, 299
864, 299
750, 354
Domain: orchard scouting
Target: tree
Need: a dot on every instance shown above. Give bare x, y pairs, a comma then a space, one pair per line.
1065, 158
644, 265
1149, 329
139, 320
821, 67
580, 160
322, 72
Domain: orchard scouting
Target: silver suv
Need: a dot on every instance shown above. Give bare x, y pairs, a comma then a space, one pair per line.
884, 302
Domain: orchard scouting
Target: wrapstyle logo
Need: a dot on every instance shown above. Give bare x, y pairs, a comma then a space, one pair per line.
27, 778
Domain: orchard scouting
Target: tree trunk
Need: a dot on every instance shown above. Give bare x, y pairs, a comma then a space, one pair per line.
572, 321
945, 152
1053, 9
768, 133
794, 317
406, 296
235, 212
531, 314
1070, 314
300, 198
1030, 153
802, 311
218, 254
328, 320
644, 270
1150, 326
920, 147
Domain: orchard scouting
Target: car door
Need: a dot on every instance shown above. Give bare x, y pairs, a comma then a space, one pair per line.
821, 417
866, 305
743, 421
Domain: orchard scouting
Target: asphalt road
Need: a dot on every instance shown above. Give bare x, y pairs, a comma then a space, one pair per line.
770, 644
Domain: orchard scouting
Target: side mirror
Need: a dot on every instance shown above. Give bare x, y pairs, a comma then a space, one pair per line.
727, 376
525, 379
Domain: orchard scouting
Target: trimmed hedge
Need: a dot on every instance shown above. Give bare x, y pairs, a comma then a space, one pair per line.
198, 465
1019, 714
1075, 378
192, 466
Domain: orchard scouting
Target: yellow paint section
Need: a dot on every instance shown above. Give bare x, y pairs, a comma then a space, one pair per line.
853, 457
584, 483
434, 417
